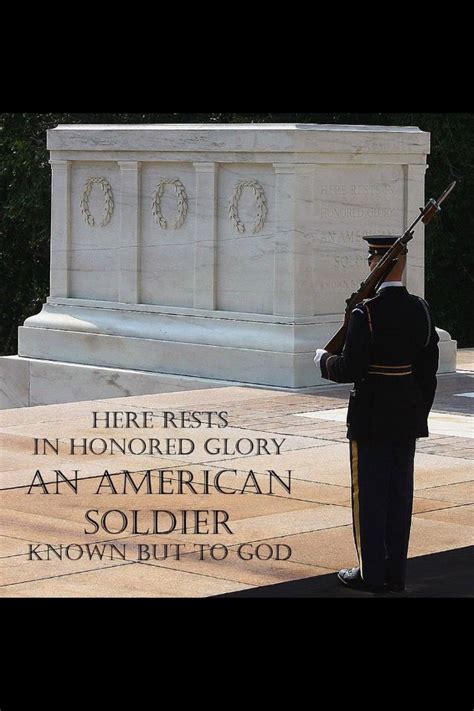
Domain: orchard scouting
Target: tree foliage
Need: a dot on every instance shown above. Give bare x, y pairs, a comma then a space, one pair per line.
25, 182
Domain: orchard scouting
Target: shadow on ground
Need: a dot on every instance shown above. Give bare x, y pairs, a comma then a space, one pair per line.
446, 574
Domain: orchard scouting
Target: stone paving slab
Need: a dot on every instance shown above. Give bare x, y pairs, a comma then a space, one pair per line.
125, 580
449, 386
456, 493
439, 423
431, 536
20, 569
10, 546
460, 514
422, 505
240, 564
331, 547
87, 467
314, 520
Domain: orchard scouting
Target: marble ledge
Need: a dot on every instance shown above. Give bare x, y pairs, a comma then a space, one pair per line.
253, 138
14, 382
330, 318
306, 160
279, 337
287, 368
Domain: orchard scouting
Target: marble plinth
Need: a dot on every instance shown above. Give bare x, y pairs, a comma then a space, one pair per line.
216, 252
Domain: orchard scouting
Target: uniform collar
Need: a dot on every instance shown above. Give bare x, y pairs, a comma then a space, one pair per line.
386, 284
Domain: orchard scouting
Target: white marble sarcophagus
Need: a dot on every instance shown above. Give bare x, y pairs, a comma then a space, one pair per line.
194, 255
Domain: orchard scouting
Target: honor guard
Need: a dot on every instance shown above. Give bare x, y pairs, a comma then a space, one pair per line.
391, 355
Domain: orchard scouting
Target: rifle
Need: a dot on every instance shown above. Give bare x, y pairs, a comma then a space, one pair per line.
380, 272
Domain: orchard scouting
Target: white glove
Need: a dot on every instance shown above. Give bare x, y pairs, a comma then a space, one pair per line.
319, 354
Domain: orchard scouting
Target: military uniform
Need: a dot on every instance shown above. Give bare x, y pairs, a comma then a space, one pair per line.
391, 356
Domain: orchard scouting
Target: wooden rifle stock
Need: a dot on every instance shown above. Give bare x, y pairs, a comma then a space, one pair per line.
381, 271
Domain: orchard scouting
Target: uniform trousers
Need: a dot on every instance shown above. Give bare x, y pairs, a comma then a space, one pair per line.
382, 499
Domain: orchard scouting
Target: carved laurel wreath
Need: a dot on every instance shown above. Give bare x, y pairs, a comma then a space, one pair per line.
108, 202
182, 204
261, 205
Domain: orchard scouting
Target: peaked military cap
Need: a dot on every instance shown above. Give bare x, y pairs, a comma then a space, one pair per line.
379, 244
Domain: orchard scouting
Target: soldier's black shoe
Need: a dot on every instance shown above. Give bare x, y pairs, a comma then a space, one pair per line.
353, 579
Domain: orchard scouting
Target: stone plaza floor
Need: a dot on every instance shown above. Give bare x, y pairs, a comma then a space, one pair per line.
314, 520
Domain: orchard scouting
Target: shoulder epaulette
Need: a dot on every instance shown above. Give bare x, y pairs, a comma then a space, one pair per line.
362, 304
372, 298
362, 308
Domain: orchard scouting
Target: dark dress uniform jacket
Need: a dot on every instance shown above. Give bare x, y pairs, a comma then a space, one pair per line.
391, 355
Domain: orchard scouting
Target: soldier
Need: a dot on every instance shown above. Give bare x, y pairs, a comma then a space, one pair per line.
391, 356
